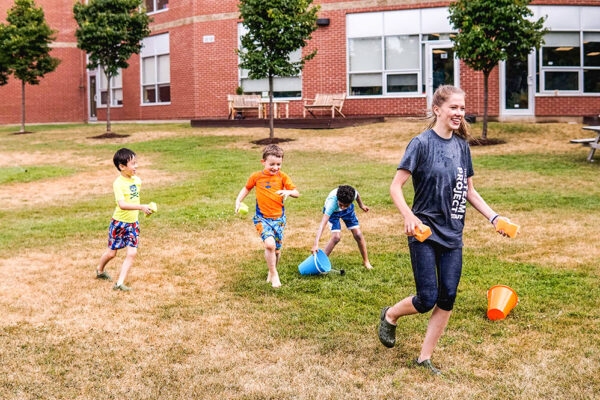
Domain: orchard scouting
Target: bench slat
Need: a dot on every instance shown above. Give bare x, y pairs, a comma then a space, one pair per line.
583, 141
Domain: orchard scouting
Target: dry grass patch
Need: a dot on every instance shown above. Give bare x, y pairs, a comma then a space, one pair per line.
386, 142
558, 241
15, 158
57, 191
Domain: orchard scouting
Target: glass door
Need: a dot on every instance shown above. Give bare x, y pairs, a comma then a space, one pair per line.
442, 68
92, 97
517, 88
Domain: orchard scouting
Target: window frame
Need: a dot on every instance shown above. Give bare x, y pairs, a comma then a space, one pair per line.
155, 10
241, 77
156, 83
385, 72
99, 77
541, 69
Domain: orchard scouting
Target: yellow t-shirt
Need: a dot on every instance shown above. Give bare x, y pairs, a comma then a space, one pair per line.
129, 191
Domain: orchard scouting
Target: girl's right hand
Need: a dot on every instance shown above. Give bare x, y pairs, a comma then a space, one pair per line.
410, 224
237, 207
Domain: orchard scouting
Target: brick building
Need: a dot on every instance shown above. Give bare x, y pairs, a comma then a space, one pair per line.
387, 55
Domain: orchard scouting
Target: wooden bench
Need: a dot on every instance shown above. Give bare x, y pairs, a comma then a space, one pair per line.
244, 102
325, 102
593, 143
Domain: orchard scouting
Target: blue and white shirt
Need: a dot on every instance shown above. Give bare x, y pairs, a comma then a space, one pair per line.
331, 203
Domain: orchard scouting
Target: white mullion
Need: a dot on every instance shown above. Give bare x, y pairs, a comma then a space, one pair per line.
419, 73
156, 100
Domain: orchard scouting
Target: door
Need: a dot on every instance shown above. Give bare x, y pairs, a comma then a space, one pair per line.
442, 68
517, 91
92, 97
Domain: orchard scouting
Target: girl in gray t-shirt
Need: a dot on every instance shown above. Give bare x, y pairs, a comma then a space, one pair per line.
439, 162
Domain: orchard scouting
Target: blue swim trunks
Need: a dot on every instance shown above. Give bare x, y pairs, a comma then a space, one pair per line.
348, 216
122, 234
270, 227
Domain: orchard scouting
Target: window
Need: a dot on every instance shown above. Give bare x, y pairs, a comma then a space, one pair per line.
283, 87
156, 5
365, 58
385, 51
570, 62
591, 62
156, 73
390, 61
116, 88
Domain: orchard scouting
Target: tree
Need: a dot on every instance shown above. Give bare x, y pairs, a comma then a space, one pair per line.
275, 28
4, 57
110, 31
490, 31
26, 44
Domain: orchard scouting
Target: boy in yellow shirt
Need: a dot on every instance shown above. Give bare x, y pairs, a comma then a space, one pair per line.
124, 227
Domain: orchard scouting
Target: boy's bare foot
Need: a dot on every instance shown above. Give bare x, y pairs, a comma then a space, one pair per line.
275, 283
368, 265
269, 277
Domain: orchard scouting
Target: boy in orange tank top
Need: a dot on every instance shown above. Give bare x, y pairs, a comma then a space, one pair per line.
272, 188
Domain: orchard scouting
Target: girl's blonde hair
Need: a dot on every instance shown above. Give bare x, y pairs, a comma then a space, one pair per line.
441, 95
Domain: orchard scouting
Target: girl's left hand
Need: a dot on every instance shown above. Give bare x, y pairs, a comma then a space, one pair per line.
501, 232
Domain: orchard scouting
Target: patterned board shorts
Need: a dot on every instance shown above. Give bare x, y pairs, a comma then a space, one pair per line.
122, 234
348, 216
270, 227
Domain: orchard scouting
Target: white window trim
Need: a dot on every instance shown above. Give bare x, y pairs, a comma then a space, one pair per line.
155, 56
579, 69
384, 73
156, 11
156, 103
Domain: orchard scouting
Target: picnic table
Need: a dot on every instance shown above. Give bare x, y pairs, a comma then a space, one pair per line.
593, 143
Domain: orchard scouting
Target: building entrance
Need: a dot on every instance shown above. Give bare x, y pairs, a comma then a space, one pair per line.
442, 68
516, 87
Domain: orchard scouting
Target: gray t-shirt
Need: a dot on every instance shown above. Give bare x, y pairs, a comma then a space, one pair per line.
439, 168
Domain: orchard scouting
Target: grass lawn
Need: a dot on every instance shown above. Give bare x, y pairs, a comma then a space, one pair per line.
202, 322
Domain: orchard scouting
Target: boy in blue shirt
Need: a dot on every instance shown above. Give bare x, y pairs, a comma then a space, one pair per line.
340, 205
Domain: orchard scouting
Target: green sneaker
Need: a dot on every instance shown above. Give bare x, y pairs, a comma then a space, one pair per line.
426, 364
103, 275
121, 287
386, 331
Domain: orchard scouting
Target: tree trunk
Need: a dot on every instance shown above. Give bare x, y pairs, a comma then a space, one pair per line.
22, 107
108, 100
271, 123
486, 75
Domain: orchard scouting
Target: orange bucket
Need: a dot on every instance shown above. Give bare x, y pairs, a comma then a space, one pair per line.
501, 299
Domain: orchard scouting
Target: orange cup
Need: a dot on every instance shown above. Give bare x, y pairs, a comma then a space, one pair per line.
512, 230
424, 233
501, 299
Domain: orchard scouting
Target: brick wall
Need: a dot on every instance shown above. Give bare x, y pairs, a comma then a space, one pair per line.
202, 74
60, 96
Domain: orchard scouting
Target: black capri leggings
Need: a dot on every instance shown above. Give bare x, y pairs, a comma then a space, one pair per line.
437, 272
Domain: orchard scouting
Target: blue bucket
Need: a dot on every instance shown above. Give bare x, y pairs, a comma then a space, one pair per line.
315, 264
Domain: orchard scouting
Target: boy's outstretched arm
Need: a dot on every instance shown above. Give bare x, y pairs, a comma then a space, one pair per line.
241, 196
360, 203
123, 205
291, 193
319, 233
